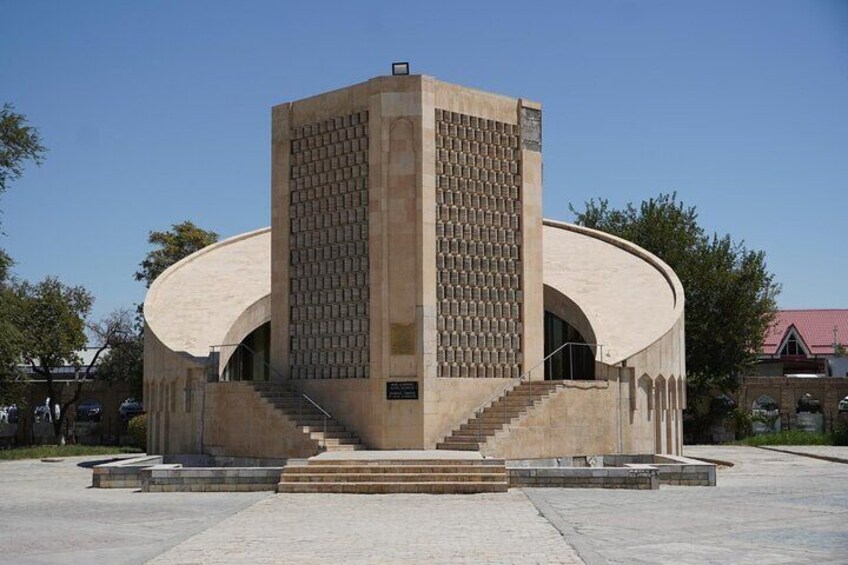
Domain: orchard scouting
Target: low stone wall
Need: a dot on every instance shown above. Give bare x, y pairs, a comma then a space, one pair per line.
124, 473
639, 477
673, 470
191, 460
174, 478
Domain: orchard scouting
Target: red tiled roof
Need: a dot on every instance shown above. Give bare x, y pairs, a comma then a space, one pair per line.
814, 326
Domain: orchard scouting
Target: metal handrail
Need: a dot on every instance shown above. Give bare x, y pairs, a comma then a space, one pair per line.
511, 385
303, 396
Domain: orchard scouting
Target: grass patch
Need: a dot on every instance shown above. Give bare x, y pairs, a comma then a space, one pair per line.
788, 437
42, 451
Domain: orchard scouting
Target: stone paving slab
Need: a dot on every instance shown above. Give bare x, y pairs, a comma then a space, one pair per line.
399, 528
835, 452
50, 514
768, 508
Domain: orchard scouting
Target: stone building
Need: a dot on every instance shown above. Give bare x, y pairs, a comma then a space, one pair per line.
409, 295
803, 357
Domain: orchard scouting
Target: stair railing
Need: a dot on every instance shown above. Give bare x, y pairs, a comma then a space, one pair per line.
514, 383
217, 374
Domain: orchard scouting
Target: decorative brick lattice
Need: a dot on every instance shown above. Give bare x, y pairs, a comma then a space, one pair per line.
328, 269
478, 253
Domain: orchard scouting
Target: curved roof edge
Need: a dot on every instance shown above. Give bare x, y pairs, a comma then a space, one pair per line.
667, 272
154, 290
661, 266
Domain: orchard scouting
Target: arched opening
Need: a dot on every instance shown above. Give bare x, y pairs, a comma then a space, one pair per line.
765, 414
660, 414
249, 360
568, 355
808, 414
672, 414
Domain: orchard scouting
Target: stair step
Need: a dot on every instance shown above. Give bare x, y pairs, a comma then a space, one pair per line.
458, 446
392, 477
391, 469
453, 487
335, 440
318, 433
346, 447
398, 462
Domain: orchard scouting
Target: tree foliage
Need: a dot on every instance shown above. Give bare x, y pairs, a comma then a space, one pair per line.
730, 294
53, 326
170, 246
19, 143
125, 363
11, 340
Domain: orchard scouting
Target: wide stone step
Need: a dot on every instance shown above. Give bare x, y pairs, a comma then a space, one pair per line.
346, 447
483, 463
335, 440
320, 428
476, 427
392, 469
305, 420
458, 446
452, 487
458, 437
318, 433
393, 477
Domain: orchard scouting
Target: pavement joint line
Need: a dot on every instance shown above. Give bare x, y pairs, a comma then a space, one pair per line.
828, 458
568, 533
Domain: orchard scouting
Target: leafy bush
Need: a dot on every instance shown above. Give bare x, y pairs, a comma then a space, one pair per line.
840, 433
42, 451
137, 428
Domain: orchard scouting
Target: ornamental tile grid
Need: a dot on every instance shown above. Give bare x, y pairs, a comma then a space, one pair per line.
415, 528
329, 248
478, 253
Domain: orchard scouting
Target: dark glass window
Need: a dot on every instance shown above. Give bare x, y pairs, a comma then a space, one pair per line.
573, 362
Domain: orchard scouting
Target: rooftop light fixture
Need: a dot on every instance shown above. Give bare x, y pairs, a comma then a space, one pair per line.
401, 68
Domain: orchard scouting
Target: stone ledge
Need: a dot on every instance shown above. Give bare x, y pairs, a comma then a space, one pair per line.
644, 477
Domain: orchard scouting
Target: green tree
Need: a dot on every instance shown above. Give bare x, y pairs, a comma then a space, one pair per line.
11, 341
19, 143
170, 246
53, 323
125, 363
730, 294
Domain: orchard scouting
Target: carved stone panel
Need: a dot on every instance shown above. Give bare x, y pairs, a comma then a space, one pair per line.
478, 248
328, 251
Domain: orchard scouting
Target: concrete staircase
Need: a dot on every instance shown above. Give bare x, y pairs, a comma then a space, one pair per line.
495, 417
360, 476
333, 436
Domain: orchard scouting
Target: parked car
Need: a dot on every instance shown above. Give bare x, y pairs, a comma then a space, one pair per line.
843, 405
88, 411
9, 414
130, 408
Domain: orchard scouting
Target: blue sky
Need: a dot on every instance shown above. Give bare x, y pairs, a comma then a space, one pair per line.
156, 112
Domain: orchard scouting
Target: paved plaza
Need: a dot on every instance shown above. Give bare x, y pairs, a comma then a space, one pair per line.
770, 507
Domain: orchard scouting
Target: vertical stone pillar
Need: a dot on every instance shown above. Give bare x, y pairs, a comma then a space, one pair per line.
396, 256
533, 308
280, 230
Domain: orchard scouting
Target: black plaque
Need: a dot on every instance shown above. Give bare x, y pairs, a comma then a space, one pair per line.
402, 390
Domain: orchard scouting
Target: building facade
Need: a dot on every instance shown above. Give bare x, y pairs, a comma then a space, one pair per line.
409, 290
800, 375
